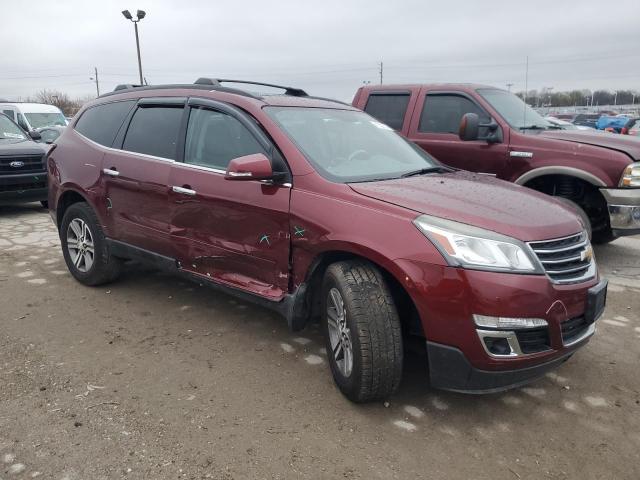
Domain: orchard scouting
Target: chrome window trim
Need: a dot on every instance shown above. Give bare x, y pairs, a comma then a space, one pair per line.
122, 150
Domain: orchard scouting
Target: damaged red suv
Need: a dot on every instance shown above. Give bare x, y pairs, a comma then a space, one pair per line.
318, 211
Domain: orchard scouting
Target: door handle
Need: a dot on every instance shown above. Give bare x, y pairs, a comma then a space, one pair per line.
184, 191
111, 171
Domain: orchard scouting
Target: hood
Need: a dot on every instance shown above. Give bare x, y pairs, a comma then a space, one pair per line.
622, 143
478, 200
20, 147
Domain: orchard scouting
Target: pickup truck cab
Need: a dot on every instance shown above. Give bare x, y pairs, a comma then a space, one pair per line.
597, 173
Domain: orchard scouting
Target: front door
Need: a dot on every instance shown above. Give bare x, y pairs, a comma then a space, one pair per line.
233, 232
436, 131
136, 177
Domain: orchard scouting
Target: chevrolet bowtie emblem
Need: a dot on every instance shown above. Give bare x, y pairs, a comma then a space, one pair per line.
586, 254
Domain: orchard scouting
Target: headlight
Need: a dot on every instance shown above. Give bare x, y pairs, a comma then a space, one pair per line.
472, 247
631, 175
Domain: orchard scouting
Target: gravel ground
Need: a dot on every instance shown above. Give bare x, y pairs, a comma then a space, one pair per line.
155, 378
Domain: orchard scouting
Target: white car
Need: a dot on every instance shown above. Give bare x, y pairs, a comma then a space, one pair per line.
31, 116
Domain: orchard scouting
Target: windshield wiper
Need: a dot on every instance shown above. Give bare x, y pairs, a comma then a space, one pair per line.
533, 127
424, 171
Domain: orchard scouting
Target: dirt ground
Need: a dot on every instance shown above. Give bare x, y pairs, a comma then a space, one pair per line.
155, 378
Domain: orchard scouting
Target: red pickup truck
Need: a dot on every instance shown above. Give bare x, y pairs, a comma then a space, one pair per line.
487, 130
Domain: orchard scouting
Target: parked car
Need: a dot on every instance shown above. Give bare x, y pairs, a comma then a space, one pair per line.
565, 125
611, 124
586, 119
488, 130
318, 211
23, 175
31, 116
632, 127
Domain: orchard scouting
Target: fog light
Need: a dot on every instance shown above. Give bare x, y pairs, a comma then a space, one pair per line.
497, 346
508, 323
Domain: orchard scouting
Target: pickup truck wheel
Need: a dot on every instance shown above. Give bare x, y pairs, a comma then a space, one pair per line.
84, 247
581, 213
362, 331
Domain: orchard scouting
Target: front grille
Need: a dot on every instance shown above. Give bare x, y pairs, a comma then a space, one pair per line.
573, 328
533, 340
30, 163
18, 187
566, 260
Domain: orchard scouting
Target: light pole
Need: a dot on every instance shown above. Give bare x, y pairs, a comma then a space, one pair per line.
140, 14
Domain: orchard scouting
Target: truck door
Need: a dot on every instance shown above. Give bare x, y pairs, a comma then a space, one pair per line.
435, 126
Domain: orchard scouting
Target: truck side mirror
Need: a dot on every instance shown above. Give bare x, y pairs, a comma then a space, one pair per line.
35, 135
470, 126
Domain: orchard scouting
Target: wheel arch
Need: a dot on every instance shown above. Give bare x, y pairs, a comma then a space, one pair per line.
391, 273
65, 200
536, 173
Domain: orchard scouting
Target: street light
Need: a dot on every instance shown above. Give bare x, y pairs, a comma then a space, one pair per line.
140, 14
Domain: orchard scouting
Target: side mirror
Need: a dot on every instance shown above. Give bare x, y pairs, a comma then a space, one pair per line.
470, 125
35, 135
250, 167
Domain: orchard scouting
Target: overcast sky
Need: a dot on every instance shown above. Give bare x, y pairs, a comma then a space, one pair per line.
326, 47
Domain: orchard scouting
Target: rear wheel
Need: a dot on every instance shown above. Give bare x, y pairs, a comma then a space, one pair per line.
362, 331
84, 247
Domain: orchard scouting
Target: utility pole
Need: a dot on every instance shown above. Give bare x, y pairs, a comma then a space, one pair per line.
381, 71
509, 85
95, 69
526, 87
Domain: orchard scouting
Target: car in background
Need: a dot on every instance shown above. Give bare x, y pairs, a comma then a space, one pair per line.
31, 116
632, 127
611, 124
23, 176
565, 125
586, 119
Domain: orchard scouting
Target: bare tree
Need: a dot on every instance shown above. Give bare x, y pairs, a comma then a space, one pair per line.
59, 99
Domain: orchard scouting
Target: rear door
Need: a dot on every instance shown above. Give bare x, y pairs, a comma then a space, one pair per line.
136, 174
234, 232
435, 126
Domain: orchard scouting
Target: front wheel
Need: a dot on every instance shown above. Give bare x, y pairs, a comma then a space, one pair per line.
362, 331
84, 247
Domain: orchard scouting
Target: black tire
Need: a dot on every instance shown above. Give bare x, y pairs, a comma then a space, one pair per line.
44, 203
105, 268
376, 341
580, 212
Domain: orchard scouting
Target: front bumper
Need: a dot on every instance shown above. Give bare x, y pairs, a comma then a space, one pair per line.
26, 187
624, 210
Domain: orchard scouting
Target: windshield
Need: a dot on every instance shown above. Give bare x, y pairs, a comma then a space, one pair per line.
9, 130
349, 146
39, 120
514, 111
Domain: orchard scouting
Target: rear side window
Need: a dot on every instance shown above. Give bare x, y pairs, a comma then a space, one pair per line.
389, 108
214, 139
154, 131
443, 113
102, 122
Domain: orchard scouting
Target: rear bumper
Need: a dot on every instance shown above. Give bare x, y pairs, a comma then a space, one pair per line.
624, 210
449, 369
26, 187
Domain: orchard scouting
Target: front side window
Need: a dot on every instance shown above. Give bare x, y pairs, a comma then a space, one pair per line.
9, 130
350, 146
154, 131
215, 138
40, 120
442, 113
513, 110
102, 122
389, 108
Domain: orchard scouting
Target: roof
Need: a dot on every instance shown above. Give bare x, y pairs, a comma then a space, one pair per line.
443, 86
33, 107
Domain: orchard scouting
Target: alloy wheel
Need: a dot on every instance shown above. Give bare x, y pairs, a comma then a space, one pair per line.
339, 333
80, 245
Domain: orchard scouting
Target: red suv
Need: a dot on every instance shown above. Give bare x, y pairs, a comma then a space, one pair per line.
320, 212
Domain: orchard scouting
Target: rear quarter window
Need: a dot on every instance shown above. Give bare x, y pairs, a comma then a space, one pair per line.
102, 122
389, 108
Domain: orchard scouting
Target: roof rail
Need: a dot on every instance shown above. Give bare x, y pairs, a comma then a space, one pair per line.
125, 86
294, 92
